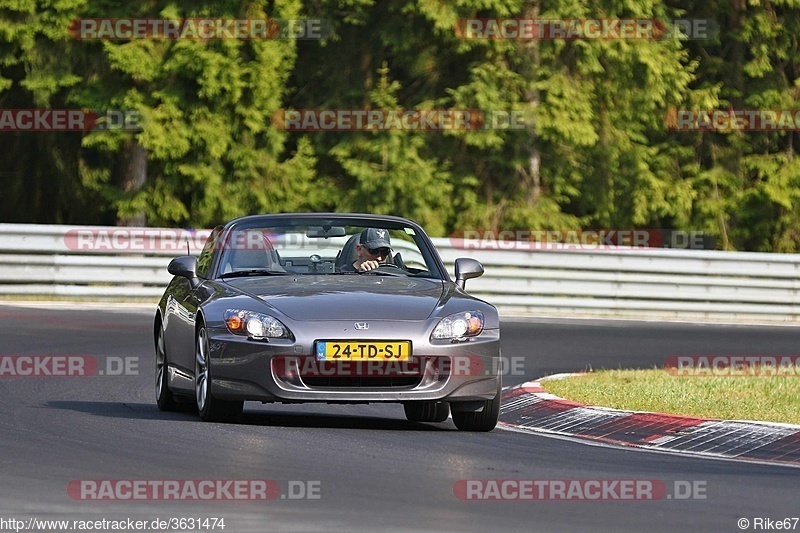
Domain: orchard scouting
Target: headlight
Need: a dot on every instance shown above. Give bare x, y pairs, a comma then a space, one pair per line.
255, 325
459, 326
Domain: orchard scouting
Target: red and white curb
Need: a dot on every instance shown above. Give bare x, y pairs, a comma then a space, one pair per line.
530, 408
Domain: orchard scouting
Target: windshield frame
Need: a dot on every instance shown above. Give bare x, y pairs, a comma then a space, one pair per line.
426, 248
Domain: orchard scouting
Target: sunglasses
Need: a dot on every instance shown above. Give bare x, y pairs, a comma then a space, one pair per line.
379, 252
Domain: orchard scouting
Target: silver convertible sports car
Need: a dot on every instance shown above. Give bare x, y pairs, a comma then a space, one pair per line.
334, 308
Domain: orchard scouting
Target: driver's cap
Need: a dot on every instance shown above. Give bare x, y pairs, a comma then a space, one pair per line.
375, 238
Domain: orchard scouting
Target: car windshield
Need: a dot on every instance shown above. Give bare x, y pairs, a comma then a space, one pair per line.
325, 247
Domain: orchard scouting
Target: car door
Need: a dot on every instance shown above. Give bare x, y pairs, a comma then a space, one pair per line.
182, 307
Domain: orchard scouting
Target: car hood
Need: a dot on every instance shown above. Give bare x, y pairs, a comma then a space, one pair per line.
346, 297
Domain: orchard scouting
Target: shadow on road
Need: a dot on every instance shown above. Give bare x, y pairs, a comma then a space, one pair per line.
268, 418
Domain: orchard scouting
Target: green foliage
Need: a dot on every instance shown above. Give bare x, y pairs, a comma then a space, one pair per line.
595, 150
386, 167
205, 110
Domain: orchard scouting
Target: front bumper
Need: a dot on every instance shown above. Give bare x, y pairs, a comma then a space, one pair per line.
284, 371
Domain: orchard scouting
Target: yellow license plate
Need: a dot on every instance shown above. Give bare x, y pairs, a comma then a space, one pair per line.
363, 351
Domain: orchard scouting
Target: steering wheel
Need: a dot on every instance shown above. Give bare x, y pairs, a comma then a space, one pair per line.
389, 269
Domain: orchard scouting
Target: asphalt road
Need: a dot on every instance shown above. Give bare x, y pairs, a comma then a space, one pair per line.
371, 468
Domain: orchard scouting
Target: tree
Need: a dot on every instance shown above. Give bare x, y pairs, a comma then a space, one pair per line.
390, 168
207, 150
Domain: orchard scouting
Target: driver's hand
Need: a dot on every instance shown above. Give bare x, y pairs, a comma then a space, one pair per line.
368, 265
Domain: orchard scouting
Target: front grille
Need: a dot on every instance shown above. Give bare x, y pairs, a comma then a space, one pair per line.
306, 371
361, 382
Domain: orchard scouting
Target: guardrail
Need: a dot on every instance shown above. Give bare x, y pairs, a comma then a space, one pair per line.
48, 261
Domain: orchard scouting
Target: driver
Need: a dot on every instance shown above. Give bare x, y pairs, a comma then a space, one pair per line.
373, 250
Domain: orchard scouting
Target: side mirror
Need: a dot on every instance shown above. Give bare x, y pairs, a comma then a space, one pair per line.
467, 268
184, 266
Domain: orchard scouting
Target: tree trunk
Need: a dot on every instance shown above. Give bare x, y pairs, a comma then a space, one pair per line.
132, 176
532, 177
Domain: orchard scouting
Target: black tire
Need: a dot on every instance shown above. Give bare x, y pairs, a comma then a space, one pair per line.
484, 420
209, 408
422, 411
164, 397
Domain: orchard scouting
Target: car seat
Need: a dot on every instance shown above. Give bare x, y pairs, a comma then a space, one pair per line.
347, 255
246, 255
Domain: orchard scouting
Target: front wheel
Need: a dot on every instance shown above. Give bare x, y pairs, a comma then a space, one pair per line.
485, 420
164, 398
209, 408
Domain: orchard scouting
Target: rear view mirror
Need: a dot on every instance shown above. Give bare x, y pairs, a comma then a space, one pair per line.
325, 232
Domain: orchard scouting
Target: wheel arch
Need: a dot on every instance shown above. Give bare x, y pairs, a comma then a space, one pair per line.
157, 322
199, 320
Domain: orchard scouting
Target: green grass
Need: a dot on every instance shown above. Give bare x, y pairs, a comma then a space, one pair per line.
767, 398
